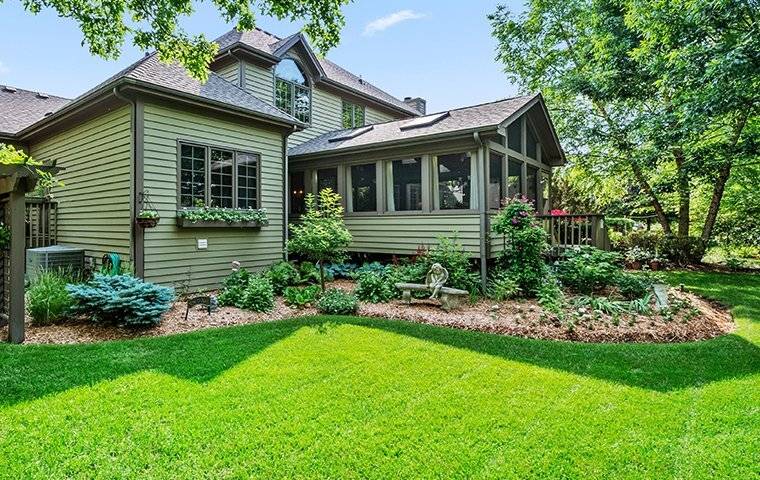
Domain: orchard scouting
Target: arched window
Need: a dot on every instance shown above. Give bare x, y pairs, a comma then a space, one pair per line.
291, 90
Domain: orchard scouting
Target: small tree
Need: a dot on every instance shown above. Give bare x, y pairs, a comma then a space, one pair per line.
322, 235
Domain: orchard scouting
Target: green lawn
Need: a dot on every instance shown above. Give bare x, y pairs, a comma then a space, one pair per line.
359, 398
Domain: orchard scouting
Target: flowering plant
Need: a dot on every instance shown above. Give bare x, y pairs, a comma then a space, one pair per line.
5, 236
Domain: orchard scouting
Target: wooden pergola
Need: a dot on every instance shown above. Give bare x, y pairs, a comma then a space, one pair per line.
15, 182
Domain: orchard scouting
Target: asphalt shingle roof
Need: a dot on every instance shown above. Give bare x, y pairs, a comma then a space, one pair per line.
20, 108
268, 43
463, 119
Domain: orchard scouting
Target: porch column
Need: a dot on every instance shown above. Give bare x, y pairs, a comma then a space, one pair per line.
17, 208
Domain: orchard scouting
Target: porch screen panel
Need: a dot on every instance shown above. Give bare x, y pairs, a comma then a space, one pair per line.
495, 179
247, 180
364, 188
531, 149
454, 181
545, 188
514, 177
514, 136
532, 181
405, 185
327, 178
192, 182
222, 163
297, 189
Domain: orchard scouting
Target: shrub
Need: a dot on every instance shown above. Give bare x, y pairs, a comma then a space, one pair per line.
373, 267
413, 272
309, 273
340, 270
258, 295
501, 286
281, 275
632, 286
47, 299
550, 296
682, 250
375, 287
322, 235
233, 287
587, 269
526, 244
337, 302
301, 297
451, 255
122, 300
647, 240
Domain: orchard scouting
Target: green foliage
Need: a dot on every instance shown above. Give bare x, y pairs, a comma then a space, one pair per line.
632, 286
148, 214
682, 250
47, 299
321, 236
374, 267
9, 155
375, 287
282, 275
450, 253
205, 213
309, 273
156, 25
335, 301
501, 286
300, 297
550, 296
647, 240
233, 287
258, 295
588, 269
122, 300
340, 270
526, 244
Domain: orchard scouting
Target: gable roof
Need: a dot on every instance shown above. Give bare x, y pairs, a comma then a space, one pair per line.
152, 74
20, 108
274, 48
487, 116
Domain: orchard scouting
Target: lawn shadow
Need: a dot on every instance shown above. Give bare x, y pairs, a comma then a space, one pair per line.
31, 372
659, 367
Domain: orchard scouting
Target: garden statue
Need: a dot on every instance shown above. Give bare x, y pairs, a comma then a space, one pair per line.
436, 277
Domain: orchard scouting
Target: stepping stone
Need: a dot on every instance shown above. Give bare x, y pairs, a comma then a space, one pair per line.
661, 295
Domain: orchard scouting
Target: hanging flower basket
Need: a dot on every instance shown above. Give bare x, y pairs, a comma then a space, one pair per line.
147, 218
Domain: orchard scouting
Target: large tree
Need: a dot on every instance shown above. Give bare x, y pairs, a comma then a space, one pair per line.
153, 24
657, 92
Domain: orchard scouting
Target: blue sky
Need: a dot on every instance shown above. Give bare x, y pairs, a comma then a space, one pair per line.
440, 50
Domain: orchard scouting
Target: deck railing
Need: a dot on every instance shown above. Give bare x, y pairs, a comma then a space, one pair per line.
41, 222
568, 231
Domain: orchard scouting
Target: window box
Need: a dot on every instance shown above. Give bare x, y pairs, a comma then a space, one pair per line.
210, 217
186, 223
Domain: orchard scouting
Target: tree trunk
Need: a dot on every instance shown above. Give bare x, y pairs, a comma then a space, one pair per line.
684, 194
720, 182
322, 276
658, 210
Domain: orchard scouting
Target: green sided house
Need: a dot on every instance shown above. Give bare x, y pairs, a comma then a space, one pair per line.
273, 123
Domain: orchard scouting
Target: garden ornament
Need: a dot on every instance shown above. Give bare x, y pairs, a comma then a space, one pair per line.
436, 277
235, 266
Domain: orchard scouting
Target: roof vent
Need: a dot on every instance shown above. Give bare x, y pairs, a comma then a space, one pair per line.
420, 122
8, 88
361, 80
42, 95
47, 114
351, 134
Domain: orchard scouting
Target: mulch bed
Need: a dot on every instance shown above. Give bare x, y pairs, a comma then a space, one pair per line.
525, 318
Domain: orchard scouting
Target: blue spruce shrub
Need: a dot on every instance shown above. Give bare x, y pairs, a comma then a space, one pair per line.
121, 300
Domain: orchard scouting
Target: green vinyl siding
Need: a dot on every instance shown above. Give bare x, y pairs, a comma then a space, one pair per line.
94, 203
326, 107
230, 73
259, 82
403, 234
171, 253
375, 116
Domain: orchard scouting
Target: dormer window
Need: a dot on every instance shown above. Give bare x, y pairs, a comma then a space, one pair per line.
292, 94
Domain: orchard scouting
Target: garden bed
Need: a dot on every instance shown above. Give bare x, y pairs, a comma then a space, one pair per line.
699, 320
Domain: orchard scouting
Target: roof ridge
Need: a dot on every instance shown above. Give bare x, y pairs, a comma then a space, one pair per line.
243, 90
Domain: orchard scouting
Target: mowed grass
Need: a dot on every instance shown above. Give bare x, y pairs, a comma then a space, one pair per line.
360, 398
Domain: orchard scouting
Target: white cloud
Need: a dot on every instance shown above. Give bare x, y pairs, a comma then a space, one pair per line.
3, 69
383, 23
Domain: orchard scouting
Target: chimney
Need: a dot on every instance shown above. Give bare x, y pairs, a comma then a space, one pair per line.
417, 103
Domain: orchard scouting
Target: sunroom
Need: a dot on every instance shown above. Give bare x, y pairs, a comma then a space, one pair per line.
407, 182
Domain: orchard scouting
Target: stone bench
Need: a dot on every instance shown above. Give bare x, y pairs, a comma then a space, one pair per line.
451, 298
